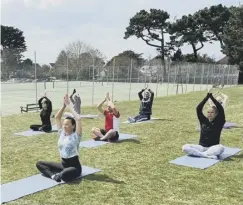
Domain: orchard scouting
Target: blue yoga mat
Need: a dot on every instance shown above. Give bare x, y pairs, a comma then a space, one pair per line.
203, 163
92, 143
30, 185
29, 133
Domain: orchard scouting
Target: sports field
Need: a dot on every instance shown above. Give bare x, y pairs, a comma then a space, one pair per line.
134, 172
16, 95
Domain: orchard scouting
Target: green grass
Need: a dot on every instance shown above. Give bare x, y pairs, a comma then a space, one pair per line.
134, 172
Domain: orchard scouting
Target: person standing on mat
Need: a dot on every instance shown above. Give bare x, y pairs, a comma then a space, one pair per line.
76, 101
145, 106
70, 131
46, 109
211, 127
112, 115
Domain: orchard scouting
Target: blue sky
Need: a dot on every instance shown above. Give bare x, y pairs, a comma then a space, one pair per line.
50, 25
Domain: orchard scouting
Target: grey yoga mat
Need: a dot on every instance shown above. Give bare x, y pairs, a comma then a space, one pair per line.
146, 121
203, 163
30, 185
29, 133
92, 143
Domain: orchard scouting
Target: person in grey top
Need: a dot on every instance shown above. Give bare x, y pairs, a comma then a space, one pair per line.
76, 100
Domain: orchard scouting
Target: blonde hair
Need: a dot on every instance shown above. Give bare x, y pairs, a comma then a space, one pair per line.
214, 108
147, 92
219, 99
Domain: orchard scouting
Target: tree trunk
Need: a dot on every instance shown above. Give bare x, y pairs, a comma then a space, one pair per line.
163, 53
219, 39
194, 51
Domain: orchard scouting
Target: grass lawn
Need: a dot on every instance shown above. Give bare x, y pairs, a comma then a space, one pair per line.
134, 172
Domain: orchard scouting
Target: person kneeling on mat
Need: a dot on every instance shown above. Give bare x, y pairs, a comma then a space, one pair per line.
45, 115
211, 127
145, 106
112, 115
70, 131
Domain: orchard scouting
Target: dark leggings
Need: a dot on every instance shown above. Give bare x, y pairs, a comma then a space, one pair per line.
44, 128
69, 169
140, 118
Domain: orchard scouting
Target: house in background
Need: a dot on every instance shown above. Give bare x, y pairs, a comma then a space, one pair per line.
224, 61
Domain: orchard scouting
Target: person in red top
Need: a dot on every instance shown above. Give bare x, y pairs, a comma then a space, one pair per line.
112, 115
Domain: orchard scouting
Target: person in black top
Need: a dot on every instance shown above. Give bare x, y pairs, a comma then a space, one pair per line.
45, 115
145, 110
211, 127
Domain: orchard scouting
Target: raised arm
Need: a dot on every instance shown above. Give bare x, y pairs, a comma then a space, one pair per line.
219, 107
140, 94
77, 117
79, 100
58, 116
199, 108
49, 104
71, 96
210, 102
152, 95
39, 102
100, 106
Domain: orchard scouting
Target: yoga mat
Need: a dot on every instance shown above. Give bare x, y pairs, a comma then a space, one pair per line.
92, 143
227, 125
203, 163
135, 123
89, 116
146, 121
29, 133
30, 185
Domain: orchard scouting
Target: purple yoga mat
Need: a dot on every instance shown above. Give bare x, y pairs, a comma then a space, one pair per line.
229, 125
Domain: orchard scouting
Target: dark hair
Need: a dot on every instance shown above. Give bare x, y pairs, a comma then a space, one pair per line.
73, 122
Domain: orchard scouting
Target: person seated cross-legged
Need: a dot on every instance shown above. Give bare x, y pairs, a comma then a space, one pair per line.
70, 133
211, 127
145, 111
45, 115
112, 115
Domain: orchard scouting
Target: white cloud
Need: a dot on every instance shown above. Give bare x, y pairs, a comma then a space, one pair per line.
41, 4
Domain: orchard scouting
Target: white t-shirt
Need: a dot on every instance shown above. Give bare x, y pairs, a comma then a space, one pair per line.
68, 145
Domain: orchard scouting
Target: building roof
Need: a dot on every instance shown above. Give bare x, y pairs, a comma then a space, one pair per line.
224, 60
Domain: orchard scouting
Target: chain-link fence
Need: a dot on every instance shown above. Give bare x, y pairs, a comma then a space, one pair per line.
123, 82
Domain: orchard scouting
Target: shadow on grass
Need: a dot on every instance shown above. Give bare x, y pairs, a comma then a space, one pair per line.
228, 159
162, 119
238, 156
127, 140
103, 178
98, 177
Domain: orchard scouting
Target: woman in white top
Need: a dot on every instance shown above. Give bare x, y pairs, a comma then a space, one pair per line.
221, 98
70, 131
